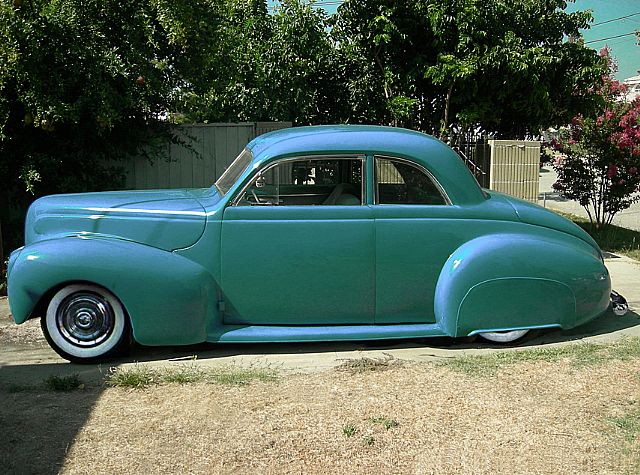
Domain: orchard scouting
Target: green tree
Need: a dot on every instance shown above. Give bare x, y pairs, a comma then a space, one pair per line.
382, 46
84, 84
599, 155
506, 65
278, 66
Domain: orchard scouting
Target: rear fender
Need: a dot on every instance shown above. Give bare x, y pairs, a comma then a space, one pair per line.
512, 281
169, 298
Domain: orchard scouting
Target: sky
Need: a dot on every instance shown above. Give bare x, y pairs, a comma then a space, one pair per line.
607, 23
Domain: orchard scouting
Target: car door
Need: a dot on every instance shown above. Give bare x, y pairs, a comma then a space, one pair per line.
297, 245
416, 229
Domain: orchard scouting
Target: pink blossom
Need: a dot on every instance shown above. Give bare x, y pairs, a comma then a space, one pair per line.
630, 119
633, 171
611, 172
618, 88
625, 142
555, 145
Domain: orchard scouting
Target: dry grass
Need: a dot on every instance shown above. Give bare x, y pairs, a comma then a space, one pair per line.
578, 355
542, 416
141, 376
365, 364
63, 383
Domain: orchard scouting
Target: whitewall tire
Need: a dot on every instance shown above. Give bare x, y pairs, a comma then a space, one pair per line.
85, 322
504, 337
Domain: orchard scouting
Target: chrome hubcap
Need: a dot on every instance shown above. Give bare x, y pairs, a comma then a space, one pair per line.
85, 319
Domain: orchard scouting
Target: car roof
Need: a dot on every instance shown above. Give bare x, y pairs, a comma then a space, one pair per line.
445, 165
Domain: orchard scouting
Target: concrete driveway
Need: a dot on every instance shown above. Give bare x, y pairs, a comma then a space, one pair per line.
25, 357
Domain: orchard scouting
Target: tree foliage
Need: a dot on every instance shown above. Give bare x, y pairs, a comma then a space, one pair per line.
276, 67
599, 155
85, 83
504, 64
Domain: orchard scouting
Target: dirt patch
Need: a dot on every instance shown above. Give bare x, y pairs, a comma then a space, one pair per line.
547, 417
29, 333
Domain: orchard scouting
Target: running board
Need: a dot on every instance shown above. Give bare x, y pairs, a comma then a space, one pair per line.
273, 333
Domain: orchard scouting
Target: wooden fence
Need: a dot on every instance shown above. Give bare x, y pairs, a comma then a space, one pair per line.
214, 148
515, 168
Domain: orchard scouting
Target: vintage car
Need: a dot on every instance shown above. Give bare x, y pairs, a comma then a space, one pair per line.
312, 233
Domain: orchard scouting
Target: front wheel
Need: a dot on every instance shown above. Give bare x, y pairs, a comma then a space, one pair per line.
504, 337
85, 323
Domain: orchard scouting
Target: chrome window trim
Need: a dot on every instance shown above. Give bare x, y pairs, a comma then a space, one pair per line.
269, 166
415, 165
215, 185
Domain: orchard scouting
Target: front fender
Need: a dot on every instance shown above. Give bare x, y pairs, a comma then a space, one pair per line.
510, 281
168, 298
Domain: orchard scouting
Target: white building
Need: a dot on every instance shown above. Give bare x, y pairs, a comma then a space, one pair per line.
633, 84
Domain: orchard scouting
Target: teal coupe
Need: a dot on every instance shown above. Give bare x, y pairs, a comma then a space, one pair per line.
312, 234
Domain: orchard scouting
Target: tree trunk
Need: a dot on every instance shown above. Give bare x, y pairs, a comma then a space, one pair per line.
445, 123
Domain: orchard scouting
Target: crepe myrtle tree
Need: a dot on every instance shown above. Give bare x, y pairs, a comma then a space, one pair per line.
598, 161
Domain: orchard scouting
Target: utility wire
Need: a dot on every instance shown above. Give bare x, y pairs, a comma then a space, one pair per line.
615, 19
609, 38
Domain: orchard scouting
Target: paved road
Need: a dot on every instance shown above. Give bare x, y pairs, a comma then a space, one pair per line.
24, 363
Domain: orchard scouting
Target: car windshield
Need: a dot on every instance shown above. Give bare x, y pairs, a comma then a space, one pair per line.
231, 174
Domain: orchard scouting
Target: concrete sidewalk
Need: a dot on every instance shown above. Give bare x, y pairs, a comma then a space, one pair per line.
629, 218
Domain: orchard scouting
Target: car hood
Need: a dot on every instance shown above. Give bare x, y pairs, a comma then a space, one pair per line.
166, 219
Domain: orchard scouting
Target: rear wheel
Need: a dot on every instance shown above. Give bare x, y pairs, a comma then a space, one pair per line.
504, 337
85, 323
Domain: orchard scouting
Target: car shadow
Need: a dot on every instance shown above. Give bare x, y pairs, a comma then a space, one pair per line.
39, 424
608, 323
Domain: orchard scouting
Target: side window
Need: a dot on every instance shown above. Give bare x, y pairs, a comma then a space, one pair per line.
307, 182
399, 182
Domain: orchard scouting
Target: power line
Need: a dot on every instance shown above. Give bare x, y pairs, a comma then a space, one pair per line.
619, 42
609, 38
615, 19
